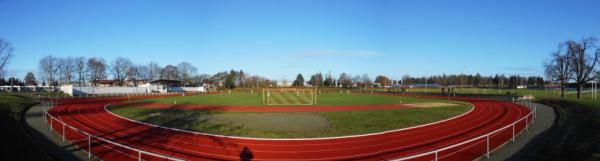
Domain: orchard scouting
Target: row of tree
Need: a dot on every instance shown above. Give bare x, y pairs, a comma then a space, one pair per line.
477, 80
344, 80
79, 70
12, 81
574, 62
498, 81
71, 70
234, 79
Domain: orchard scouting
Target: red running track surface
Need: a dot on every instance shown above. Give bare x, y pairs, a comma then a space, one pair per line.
90, 115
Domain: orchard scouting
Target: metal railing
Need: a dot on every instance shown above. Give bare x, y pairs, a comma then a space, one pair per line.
487, 136
435, 152
140, 153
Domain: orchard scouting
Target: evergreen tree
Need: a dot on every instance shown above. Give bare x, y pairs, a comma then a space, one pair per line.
299, 82
316, 80
230, 80
329, 81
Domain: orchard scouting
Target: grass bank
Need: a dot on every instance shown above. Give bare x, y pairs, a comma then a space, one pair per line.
576, 134
16, 142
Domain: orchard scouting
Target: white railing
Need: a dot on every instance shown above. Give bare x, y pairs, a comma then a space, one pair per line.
140, 153
435, 152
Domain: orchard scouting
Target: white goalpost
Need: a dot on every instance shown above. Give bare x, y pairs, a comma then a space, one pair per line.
289, 96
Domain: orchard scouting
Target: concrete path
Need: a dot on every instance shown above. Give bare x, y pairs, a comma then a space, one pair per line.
514, 151
50, 141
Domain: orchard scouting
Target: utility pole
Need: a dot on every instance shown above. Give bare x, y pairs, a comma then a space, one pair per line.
426, 80
500, 82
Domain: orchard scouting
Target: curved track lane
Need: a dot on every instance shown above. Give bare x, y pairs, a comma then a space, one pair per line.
90, 115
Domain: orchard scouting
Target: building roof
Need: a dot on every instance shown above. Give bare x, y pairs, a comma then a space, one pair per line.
165, 81
106, 81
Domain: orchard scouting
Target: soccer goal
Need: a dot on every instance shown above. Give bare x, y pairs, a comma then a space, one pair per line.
289, 96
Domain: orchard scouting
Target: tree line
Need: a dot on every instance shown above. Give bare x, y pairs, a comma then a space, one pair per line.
80, 71
83, 71
574, 62
345, 80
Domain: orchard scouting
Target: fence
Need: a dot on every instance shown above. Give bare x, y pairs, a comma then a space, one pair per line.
527, 120
480, 138
91, 139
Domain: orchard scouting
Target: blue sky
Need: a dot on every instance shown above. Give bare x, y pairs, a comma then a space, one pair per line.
279, 39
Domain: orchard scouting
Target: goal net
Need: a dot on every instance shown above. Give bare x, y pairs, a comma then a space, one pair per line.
289, 96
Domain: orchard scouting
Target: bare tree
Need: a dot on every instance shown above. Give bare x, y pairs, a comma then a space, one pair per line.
48, 69
119, 69
257, 81
153, 70
66, 68
345, 80
356, 80
143, 72
558, 69
366, 80
96, 69
199, 80
80, 67
186, 71
169, 72
134, 74
384, 80
60, 70
6, 52
218, 79
583, 56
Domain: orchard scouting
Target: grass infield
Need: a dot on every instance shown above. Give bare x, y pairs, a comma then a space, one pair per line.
294, 124
255, 99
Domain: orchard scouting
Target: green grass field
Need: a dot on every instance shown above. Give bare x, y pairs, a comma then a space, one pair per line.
255, 99
289, 125
294, 124
299, 97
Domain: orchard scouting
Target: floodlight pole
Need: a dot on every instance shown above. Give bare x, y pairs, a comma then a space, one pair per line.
425, 84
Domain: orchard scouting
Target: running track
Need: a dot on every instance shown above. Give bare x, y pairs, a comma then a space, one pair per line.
90, 116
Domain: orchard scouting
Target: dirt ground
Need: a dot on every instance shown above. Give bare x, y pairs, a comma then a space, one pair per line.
274, 121
432, 104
